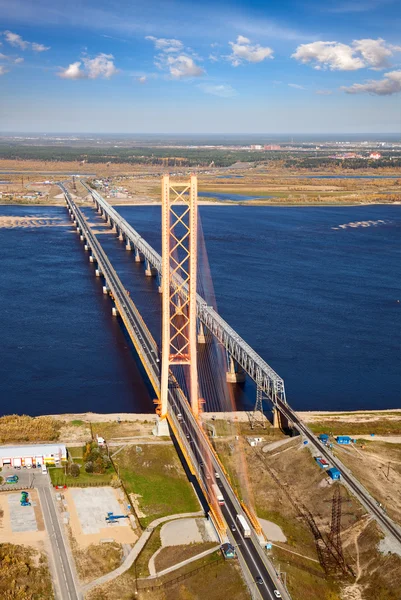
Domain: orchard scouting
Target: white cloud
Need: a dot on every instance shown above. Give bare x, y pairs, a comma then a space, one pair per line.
16, 40
100, 66
18, 60
213, 58
73, 71
183, 66
323, 92
143, 79
3, 56
3, 70
296, 86
39, 47
242, 50
390, 84
165, 44
366, 53
221, 90
93, 68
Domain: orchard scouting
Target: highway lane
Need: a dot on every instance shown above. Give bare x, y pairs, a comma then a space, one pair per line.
60, 557
199, 448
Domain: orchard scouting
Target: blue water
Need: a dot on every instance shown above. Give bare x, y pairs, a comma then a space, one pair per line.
319, 304
229, 196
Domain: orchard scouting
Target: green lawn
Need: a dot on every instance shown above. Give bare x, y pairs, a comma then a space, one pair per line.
156, 475
58, 477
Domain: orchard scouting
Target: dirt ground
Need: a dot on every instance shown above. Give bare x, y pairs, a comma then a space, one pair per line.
286, 485
36, 539
378, 467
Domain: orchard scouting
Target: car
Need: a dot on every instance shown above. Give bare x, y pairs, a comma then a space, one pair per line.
277, 594
233, 528
259, 580
12, 479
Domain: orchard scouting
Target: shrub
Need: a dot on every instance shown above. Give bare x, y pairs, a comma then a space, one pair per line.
75, 470
106, 461
89, 467
98, 465
22, 428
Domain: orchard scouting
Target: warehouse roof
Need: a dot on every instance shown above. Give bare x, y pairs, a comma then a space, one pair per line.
32, 450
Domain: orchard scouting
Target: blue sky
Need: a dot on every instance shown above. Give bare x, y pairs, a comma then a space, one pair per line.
212, 67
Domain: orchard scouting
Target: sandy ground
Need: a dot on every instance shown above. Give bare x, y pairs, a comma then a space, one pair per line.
362, 415
31, 222
122, 534
105, 418
37, 539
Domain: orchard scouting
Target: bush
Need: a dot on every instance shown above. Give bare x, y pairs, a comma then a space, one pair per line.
98, 465
106, 461
89, 467
75, 470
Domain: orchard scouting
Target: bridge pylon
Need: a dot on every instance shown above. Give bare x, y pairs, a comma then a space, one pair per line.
178, 285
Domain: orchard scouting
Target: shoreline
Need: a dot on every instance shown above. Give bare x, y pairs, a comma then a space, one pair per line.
230, 203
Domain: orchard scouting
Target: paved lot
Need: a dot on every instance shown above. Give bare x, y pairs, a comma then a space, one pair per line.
181, 531
92, 506
26, 477
22, 518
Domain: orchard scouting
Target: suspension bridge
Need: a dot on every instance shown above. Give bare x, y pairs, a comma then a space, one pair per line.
188, 321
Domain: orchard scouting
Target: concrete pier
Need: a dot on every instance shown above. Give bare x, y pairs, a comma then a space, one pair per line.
120, 235
114, 311
91, 258
106, 289
138, 256
98, 273
235, 373
203, 337
128, 245
86, 247
81, 237
149, 270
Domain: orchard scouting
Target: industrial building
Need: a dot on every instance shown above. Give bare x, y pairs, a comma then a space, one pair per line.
334, 473
343, 439
27, 456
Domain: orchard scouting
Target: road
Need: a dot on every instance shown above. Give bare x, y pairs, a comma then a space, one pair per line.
64, 573
193, 437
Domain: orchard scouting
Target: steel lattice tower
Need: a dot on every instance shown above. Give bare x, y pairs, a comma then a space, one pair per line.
179, 264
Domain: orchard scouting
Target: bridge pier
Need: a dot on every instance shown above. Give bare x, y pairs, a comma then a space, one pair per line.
138, 256
161, 427
203, 337
280, 421
128, 245
106, 289
98, 272
82, 238
91, 258
120, 235
86, 247
114, 311
149, 270
235, 373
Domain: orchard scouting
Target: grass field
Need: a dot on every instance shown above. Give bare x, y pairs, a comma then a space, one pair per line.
385, 426
157, 478
172, 555
151, 546
58, 477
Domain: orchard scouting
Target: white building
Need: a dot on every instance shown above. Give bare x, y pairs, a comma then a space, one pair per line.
38, 454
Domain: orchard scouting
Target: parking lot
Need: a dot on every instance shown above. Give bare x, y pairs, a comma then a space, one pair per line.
26, 478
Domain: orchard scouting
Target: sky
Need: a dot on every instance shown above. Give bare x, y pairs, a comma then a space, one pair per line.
171, 66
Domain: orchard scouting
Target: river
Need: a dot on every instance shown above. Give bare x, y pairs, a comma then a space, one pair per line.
315, 290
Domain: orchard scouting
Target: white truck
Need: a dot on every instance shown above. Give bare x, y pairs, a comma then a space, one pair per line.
243, 526
218, 494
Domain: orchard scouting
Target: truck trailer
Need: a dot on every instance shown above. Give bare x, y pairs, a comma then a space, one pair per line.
218, 494
243, 526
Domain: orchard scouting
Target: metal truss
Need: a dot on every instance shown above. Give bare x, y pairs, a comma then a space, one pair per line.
179, 263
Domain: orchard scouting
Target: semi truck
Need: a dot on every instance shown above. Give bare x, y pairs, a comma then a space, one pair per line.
218, 494
243, 526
